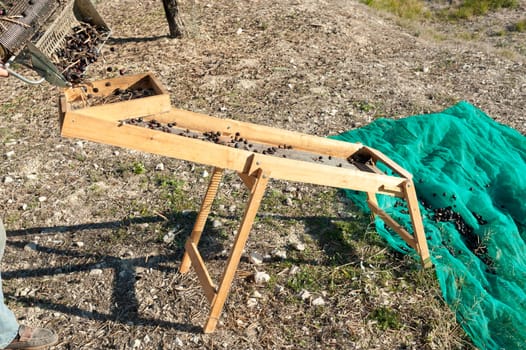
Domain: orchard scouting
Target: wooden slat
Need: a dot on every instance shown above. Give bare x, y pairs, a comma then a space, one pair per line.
319, 174
393, 224
257, 192
194, 150
134, 108
200, 221
260, 133
416, 220
379, 156
202, 273
158, 103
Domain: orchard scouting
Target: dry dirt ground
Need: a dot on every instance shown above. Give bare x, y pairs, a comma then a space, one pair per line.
90, 227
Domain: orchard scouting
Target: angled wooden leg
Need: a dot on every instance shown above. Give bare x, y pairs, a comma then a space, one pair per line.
418, 227
257, 192
371, 197
202, 216
418, 239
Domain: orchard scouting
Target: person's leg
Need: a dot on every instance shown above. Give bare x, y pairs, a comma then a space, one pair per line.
8, 324
12, 335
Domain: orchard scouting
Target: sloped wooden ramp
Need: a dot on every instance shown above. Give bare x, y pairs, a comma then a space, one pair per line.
257, 153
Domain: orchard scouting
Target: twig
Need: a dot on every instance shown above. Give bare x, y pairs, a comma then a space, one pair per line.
71, 65
11, 20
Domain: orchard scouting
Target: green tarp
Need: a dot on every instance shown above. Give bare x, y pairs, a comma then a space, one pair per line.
470, 175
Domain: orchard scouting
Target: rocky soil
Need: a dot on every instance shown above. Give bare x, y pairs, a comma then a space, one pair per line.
95, 233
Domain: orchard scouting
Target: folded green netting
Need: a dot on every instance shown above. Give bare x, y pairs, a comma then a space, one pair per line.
470, 175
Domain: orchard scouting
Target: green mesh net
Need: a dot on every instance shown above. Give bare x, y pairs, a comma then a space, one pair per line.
470, 176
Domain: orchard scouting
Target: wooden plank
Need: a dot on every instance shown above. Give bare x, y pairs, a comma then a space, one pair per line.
134, 108
200, 221
152, 141
194, 150
379, 156
406, 236
319, 174
260, 133
202, 273
416, 220
158, 103
257, 192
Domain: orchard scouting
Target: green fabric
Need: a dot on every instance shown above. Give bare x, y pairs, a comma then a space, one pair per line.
463, 159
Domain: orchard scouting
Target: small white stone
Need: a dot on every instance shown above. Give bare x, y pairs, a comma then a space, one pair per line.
205, 174
96, 272
216, 224
169, 237
8, 180
239, 31
294, 269
288, 202
318, 301
78, 244
298, 246
278, 289
178, 342
256, 294
295, 243
252, 302
116, 153
136, 343
255, 258
261, 277
79, 144
279, 253
10, 154
42, 199
31, 176
30, 246
159, 167
304, 294
232, 208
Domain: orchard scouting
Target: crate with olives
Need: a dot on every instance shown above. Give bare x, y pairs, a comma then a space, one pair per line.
127, 96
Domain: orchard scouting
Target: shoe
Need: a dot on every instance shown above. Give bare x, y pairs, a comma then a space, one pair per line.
33, 338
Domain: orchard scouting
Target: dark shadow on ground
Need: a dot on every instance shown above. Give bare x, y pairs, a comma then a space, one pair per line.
126, 306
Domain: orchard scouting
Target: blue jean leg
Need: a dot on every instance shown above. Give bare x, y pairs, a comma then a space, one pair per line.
8, 323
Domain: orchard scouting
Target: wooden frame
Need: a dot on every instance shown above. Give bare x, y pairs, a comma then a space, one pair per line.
108, 124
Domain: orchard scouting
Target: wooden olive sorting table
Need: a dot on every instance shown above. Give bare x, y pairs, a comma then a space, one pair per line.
257, 153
